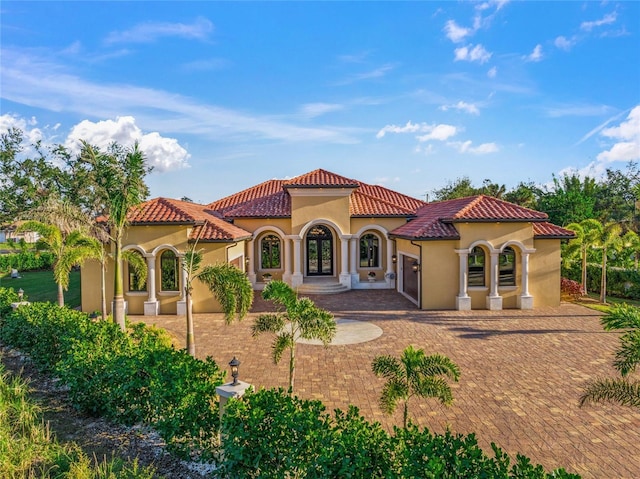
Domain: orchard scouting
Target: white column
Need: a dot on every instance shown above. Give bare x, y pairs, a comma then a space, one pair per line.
353, 261
463, 300
345, 277
525, 300
181, 306
151, 305
286, 277
251, 272
494, 300
296, 278
390, 275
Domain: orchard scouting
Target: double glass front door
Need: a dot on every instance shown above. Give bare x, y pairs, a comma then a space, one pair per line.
320, 251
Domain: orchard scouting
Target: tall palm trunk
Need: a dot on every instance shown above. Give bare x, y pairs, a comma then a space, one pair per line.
584, 268
191, 339
118, 286
104, 291
60, 296
292, 367
603, 277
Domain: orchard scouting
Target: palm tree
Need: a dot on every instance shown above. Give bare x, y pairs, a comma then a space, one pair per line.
119, 180
587, 233
631, 243
301, 318
414, 374
620, 390
66, 247
608, 239
230, 286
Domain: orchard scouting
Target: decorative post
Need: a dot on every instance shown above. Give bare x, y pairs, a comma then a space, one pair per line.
463, 300
233, 389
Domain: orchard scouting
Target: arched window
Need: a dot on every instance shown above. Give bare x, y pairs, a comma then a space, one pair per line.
507, 265
134, 280
169, 269
476, 267
369, 251
270, 252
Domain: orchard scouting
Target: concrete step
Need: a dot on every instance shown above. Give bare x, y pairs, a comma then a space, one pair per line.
322, 288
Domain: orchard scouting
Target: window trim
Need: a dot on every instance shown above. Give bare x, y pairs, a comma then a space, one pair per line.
513, 271
262, 239
484, 268
378, 258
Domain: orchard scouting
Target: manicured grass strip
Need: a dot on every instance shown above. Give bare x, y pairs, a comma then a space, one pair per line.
41, 287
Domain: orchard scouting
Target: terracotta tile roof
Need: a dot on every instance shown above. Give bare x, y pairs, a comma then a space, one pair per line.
436, 220
548, 230
321, 178
488, 208
170, 211
270, 199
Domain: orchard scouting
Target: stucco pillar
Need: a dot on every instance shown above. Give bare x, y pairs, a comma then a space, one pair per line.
525, 300
151, 305
286, 277
296, 278
494, 300
353, 260
345, 277
463, 300
390, 275
251, 268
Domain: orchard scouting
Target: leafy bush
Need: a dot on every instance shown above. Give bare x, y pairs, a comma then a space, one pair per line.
270, 434
129, 377
621, 283
26, 261
571, 288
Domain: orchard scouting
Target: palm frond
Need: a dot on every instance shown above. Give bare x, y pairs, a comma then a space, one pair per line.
620, 391
392, 392
439, 365
267, 323
281, 343
621, 316
434, 387
230, 287
138, 264
388, 367
628, 355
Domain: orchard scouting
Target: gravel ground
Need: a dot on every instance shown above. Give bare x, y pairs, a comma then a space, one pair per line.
98, 437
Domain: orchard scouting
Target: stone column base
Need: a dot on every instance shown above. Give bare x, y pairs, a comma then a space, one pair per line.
151, 308
463, 303
494, 303
181, 309
296, 280
345, 280
525, 302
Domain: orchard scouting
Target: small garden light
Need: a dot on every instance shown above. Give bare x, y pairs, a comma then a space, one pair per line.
234, 364
20, 294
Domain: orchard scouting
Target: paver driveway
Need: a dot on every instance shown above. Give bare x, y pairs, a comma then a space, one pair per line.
522, 374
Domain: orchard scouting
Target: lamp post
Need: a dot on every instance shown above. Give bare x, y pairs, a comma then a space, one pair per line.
234, 364
20, 294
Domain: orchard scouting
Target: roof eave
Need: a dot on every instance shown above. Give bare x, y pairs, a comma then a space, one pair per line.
425, 238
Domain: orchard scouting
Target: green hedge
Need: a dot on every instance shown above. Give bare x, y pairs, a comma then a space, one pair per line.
621, 283
269, 434
26, 261
128, 377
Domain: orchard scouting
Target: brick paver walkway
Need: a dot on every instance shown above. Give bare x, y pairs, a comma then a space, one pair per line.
522, 375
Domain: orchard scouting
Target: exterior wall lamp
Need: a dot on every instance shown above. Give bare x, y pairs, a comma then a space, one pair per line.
415, 267
235, 365
394, 258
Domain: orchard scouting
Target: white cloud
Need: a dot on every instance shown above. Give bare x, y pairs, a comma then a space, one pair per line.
375, 73
312, 110
536, 54
492, 73
31, 134
606, 20
628, 134
456, 33
41, 83
163, 154
465, 147
439, 132
150, 31
472, 54
564, 43
432, 132
462, 106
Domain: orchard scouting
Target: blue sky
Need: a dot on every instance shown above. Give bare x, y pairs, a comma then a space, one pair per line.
409, 95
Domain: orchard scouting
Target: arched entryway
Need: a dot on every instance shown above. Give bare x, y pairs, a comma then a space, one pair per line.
319, 251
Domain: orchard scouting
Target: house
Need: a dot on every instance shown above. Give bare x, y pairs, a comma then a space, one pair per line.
322, 232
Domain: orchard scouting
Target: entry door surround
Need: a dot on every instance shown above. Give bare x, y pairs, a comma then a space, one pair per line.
319, 251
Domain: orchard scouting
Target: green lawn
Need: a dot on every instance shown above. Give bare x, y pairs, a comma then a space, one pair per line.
39, 286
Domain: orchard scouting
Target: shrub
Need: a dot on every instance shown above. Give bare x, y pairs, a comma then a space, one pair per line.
26, 261
571, 288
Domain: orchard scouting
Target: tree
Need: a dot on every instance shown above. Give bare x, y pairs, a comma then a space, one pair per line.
570, 200
459, 188
631, 244
620, 390
525, 194
301, 318
616, 198
230, 286
414, 374
607, 239
587, 234
118, 176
